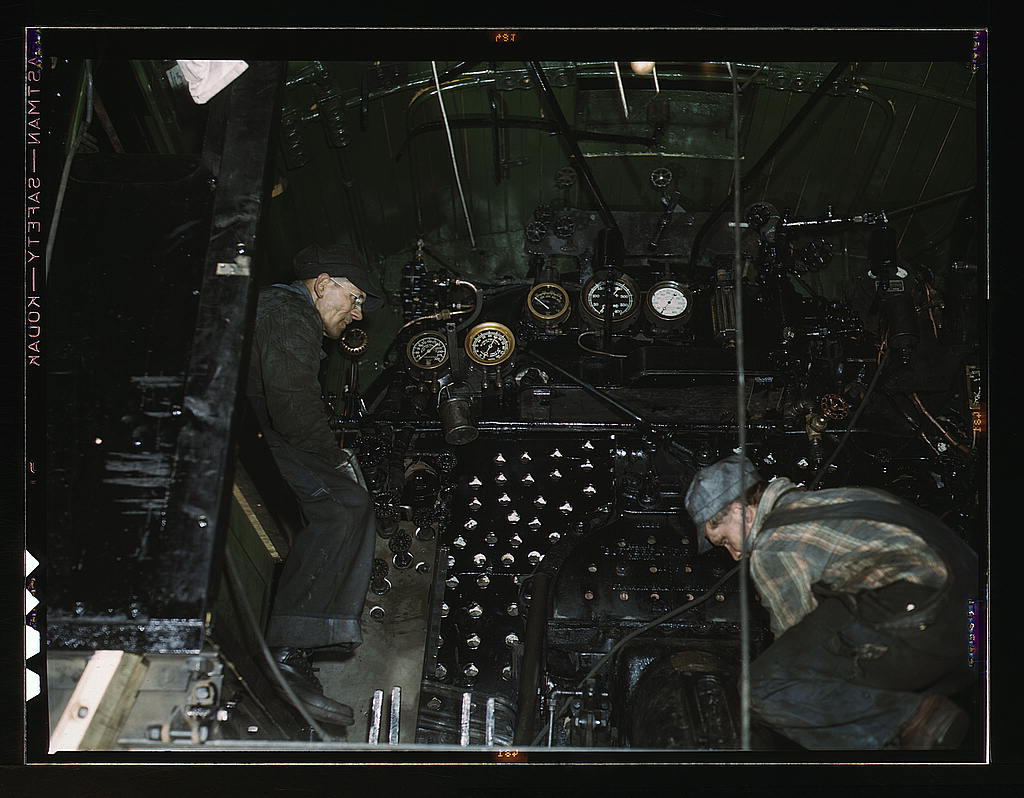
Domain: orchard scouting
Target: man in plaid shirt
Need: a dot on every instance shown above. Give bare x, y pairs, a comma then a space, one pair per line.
868, 600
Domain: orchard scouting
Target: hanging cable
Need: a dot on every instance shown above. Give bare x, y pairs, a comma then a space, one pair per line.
741, 422
451, 149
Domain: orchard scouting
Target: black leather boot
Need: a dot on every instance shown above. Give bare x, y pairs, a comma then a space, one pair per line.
296, 666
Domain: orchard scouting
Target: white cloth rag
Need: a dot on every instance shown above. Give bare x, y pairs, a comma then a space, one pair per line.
206, 78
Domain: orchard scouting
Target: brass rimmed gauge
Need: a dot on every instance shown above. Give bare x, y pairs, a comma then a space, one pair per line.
602, 288
548, 303
490, 343
669, 303
427, 350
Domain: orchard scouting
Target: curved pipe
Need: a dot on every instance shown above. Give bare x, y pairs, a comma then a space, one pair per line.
890, 121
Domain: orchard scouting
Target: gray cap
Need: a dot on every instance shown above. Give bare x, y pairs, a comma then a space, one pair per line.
715, 487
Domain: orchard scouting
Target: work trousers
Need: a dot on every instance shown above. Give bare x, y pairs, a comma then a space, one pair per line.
836, 680
322, 588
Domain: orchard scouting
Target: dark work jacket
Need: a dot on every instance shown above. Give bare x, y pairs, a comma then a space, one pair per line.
283, 383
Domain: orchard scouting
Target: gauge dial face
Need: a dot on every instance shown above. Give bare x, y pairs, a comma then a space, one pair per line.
490, 343
669, 301
548, 301
668, 304
427, 350
623, 299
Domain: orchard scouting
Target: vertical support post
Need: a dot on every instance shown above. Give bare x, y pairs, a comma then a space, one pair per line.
198, 497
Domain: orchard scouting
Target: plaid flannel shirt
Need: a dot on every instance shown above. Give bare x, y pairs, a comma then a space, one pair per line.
845, 554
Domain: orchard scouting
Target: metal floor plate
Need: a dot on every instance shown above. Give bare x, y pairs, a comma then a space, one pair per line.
395, 627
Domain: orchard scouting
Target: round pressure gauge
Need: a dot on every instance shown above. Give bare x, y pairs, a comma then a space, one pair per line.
669, 303
548, 303
490, 343
601, 289
427, 350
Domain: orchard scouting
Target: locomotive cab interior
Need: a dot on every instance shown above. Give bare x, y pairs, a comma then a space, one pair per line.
601, 276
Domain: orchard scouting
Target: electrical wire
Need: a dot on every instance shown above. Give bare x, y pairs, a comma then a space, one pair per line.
579, 343
920, 406
668, 616
250, 615
912, 423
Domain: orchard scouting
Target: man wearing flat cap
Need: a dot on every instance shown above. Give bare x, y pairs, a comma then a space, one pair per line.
320, 595
868, 601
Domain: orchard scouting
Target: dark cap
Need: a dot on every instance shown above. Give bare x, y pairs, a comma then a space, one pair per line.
339, 260
716, 487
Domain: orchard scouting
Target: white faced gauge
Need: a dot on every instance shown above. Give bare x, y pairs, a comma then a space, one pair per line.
669, 303
490, 343
548, 303
427, 350
601, 289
